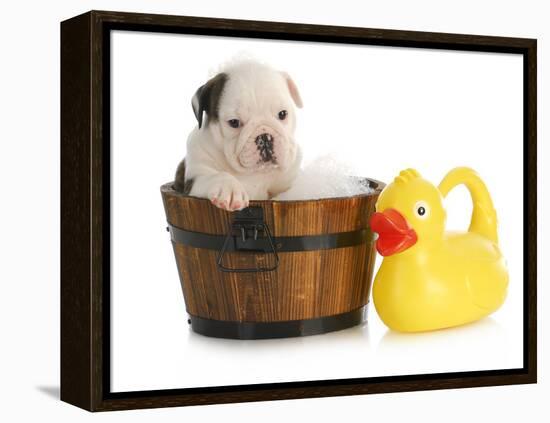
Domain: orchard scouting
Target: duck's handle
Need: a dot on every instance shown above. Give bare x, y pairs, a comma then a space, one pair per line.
484, 216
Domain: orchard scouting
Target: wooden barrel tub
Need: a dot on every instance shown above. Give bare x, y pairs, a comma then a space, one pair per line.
275, 269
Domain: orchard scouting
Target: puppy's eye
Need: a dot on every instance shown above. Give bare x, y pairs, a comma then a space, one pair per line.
283, 114
234, 123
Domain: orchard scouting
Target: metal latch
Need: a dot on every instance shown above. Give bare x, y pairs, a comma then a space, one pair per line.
249, 233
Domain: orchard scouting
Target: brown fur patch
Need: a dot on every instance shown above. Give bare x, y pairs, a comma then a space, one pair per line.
208, 98
180, 184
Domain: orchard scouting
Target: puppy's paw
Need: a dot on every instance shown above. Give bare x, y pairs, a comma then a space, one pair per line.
229, 195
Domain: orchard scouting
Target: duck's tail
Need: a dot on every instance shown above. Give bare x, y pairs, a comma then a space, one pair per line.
484, 216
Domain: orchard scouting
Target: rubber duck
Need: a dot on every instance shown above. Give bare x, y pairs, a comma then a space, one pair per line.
429, 278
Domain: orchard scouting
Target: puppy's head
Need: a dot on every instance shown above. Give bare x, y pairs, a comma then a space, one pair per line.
249, 111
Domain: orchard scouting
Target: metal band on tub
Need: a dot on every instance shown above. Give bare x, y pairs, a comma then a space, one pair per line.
250, 233
283, 244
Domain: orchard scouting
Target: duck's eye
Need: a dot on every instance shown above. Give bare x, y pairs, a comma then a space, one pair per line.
421, 210
234, 123
283, 114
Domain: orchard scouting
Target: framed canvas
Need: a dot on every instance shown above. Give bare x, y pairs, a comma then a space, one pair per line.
384, 101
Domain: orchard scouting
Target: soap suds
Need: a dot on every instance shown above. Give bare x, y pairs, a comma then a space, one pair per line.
325, 177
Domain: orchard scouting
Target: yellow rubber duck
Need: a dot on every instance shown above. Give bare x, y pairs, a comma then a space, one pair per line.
431, 279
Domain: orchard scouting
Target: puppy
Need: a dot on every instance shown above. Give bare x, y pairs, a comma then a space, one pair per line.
243, 147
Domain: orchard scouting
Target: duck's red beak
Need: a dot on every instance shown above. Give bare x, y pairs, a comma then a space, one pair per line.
394, 232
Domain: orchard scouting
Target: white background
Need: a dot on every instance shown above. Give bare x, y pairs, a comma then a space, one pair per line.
382, 109
29, 172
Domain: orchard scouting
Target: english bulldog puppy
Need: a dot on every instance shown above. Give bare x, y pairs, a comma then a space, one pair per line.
243, 146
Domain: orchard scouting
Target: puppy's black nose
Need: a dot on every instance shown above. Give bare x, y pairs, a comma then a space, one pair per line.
265, 145
264, 140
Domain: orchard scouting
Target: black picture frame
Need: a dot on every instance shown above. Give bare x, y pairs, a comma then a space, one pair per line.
85, 216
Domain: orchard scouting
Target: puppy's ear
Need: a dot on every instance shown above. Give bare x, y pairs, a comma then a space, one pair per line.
293, 89
207, 98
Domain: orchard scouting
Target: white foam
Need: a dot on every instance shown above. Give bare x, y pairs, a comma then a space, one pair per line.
324, 177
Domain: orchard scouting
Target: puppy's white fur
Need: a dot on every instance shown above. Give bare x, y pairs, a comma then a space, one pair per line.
225, 163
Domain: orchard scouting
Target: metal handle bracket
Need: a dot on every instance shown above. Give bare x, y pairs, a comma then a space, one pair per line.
244, 232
